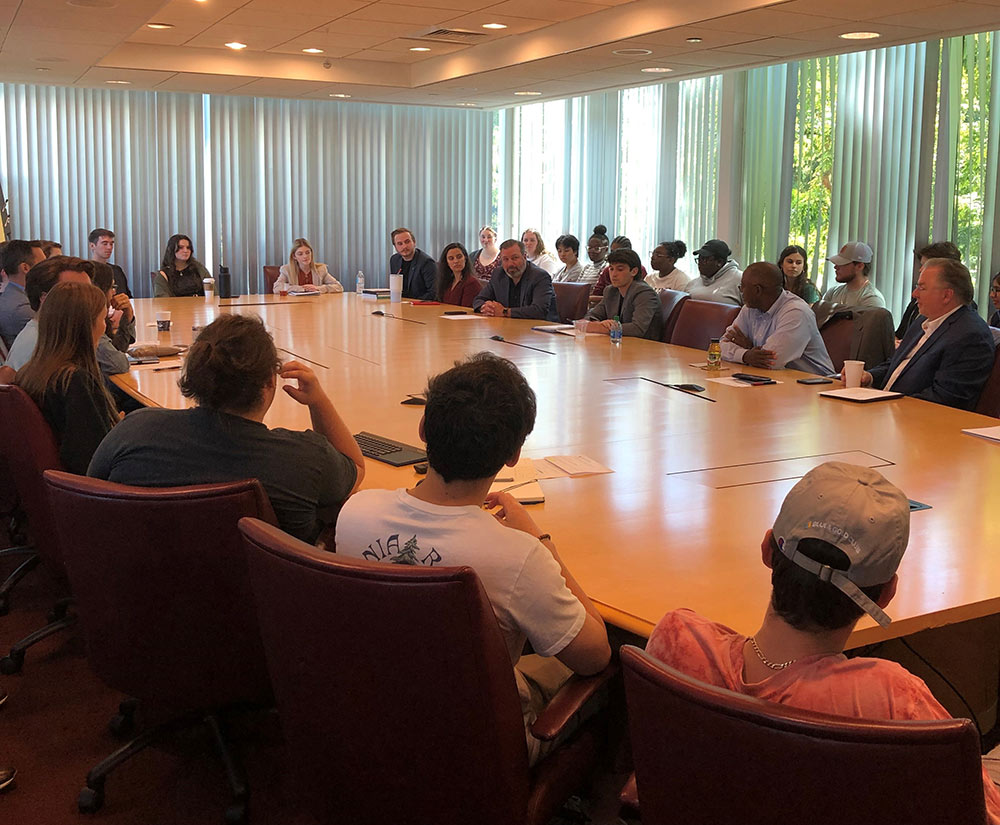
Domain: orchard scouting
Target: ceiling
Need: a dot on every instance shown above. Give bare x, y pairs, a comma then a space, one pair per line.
556, 48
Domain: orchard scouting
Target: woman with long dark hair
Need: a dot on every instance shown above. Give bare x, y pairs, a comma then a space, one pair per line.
455, 282
181, 274
794, 265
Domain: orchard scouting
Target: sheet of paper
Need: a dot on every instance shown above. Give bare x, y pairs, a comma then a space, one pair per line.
735, 382
862, 394
554, 328
989, 433
469, 317
577, 465
520, 481
302, 293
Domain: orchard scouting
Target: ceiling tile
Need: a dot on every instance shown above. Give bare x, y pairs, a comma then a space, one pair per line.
768, 22
552, 10
436, 48
328, 8
277, 19
390, 57
256, 38
858, 9
888, 32
138, 78
308, 41
953, 17
347, 27
476, 20
275, 87
456, 5
206, 83
415, 16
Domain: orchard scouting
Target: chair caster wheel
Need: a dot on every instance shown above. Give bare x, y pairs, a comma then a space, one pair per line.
236, 814
121, 725
11, 664
90, 801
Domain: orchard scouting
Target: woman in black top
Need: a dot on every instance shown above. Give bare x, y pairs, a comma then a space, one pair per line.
180, 273
63, 378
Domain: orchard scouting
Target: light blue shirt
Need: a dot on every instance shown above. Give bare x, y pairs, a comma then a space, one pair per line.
24, 346
788, 329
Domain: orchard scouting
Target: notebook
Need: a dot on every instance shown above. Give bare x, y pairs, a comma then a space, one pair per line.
862, 395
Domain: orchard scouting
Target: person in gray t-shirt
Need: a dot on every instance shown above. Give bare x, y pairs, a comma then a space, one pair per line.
231, 371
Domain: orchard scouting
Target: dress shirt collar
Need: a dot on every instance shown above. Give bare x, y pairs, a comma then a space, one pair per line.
929, 327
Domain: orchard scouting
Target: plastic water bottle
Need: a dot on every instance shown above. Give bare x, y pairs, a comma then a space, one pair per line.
616, 332
714, 354
360, 285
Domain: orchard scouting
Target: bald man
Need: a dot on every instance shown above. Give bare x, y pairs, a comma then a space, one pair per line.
775, 329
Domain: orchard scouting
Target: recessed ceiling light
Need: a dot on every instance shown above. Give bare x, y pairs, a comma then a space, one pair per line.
494, 25
694, 40
419, 49
632, 52
159, 25
655, 70
527, 94
859, 35
336, 94
43, 69
313, 51
119, 82
236, 45
465, 104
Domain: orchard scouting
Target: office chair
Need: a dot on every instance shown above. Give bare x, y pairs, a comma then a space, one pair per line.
698, 322
670, 304
571, 300
271, 274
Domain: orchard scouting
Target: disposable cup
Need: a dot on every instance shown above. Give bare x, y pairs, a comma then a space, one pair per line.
853, 370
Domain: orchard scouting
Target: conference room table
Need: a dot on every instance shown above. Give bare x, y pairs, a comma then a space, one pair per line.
695, 482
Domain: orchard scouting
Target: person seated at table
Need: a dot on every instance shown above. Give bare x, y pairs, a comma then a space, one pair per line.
303, 273
232, 373
664, 260
15, 311
534, 248
718, 277
417, 267
597, 250
794, 266
604, 279
37, 284
568, 250
833, 553
62, 377
120, 327
181, 274
995, 300
941, 249
629, 299
852, 268
52, 249
949, 356
476, 419
486, 259
455, 282
518, 290
775, 329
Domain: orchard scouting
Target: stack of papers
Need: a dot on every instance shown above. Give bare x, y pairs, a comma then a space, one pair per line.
861, 395
521, 480
568, 466
989, 433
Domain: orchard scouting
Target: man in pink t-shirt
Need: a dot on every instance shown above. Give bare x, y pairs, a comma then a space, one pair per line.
833, 554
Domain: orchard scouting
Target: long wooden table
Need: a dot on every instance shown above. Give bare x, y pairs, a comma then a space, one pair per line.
695, 484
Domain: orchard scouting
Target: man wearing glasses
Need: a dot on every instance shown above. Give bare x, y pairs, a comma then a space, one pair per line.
947, 357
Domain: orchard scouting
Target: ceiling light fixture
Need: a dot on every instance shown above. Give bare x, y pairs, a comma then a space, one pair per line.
119, 82
236, 45
494, 25
694, 40
419, 49
527, 94
159, 25
465, 104
655, 70
313, 51
337, 94
859, 35
632, 52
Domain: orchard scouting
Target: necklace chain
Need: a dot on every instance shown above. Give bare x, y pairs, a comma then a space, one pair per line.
767, 662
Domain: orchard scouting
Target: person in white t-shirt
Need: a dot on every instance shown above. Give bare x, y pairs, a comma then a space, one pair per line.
476, 419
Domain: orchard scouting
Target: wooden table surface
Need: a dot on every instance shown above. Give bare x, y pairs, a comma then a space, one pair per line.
695, 484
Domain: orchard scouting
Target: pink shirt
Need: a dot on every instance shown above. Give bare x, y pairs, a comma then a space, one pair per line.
861, 687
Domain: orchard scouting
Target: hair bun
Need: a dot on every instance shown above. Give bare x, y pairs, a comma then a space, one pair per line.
600, 229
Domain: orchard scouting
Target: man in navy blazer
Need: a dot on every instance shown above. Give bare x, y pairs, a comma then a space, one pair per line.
417, 267
946, 355
519, 289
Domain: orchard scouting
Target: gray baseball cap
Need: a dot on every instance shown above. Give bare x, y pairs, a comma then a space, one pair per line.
856, 510
850, 252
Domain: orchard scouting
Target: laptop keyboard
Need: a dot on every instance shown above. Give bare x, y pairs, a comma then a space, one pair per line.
374, 447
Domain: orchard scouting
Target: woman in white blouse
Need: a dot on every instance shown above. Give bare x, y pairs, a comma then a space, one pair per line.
662, 261
534, 249
302, 272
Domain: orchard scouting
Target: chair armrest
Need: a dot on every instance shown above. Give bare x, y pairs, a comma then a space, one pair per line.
567, 702
629, 796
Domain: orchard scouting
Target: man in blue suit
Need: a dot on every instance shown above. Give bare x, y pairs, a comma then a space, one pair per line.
946, 355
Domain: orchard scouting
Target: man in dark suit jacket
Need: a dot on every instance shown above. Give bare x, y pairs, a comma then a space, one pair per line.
946, 355
417, 267
519, 289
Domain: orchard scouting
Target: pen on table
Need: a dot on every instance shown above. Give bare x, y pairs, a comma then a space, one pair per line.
165, 369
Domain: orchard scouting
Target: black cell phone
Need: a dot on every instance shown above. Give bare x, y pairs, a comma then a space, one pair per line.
455, 312
752, 379
819, 379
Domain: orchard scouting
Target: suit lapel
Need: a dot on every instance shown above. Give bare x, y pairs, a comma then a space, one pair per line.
931, 342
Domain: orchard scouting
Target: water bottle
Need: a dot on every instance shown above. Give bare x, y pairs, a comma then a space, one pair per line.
714, 354
616, 332
360, 286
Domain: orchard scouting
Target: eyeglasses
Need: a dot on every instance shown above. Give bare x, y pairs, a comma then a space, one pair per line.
994, 290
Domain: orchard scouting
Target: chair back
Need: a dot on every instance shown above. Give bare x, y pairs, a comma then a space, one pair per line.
989, 399
698, 322
394, 686
271, 274
30, 448
705, 755
160, 579
837, 334
670, 304
571, 300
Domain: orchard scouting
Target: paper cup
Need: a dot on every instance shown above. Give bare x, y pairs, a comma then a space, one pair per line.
395, 288
163, 320
852, 372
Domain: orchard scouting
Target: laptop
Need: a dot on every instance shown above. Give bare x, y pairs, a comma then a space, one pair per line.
388, 451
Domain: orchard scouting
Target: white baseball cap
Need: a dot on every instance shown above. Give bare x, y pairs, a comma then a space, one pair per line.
851, 252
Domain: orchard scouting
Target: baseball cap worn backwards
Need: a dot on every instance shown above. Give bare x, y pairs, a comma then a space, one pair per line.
851, 252
856, 510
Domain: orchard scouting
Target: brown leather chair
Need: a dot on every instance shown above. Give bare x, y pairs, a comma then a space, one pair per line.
30, 448
571, 300
165, 605
707, 756
397, 696
698, 322
670, 304
989, 399
837, 335
854, 334
271, 274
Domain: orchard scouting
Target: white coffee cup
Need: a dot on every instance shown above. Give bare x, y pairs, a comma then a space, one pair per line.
852, 372
395, 288
208, 285
163, 320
